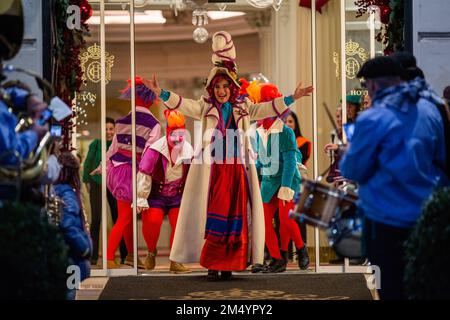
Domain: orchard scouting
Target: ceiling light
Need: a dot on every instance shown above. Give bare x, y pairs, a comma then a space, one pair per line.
218, 15
122, 17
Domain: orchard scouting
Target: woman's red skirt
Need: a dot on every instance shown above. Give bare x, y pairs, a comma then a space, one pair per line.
227, 195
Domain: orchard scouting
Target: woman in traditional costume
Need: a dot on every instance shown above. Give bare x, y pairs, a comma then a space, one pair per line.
221, 219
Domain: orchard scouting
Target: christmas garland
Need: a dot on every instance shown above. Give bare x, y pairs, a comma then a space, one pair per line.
68, 43
392, 16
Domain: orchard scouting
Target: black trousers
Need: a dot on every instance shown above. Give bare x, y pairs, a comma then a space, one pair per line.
384, 246
95, 197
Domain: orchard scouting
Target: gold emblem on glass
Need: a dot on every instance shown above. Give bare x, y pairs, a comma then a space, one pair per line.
91, 67
356, 56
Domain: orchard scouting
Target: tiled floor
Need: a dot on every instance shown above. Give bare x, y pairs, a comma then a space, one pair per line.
91, 288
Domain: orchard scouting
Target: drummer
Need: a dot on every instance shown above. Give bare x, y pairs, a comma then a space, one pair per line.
337, 146
396, 155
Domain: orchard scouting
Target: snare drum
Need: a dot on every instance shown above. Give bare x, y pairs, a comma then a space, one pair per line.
319, 203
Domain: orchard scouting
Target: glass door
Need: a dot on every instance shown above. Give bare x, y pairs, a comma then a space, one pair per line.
341, 43
331, 46
110, 193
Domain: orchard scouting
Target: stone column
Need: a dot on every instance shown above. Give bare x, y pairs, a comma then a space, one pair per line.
261, 20
285, 37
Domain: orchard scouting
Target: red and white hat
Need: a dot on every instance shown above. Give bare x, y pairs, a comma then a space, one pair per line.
223, 57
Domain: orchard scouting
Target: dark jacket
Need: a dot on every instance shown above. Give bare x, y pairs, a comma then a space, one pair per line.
92, 161
72, 226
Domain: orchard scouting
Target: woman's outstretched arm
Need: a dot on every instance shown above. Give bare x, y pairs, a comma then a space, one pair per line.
278, 106
188, 107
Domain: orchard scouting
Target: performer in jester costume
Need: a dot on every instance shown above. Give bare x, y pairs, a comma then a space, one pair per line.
278, 161
160, 184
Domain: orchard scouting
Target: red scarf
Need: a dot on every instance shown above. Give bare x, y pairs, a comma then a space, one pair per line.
268, 122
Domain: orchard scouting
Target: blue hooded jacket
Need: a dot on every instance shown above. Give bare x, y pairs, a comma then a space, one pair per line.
397, 154
74, 232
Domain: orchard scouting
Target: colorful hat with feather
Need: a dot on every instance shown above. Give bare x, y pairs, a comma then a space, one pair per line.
259, 92
223, 57
144, 96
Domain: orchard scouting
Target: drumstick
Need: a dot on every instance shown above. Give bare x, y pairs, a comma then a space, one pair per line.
333, 123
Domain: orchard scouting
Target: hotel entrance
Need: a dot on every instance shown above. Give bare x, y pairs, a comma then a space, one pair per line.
323, 45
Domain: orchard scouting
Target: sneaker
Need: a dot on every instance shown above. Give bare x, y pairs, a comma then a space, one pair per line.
303, 258
150, 261
178, 268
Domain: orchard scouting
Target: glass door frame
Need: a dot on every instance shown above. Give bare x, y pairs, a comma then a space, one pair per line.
104, 271
345, 268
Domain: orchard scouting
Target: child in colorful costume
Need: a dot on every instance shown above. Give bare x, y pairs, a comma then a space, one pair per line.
278, 159
119, 165
221, 204
160, 184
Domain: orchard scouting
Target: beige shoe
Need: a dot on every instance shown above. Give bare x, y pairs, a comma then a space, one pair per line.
112, 264
176, 267
150, 261
129, 261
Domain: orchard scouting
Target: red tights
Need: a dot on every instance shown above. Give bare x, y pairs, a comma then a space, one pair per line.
151, 225
122, 228
288, 228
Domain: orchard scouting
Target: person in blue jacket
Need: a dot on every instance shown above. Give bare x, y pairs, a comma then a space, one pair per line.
397, 156
15, 146
73, 222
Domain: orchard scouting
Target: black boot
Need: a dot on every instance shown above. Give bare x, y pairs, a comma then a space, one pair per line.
213, 275
258, 267
285, 256
291, 250
276, 266
225, 275
303, 258
267, 266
